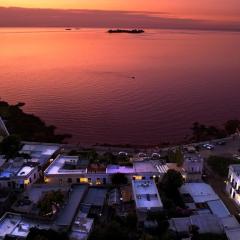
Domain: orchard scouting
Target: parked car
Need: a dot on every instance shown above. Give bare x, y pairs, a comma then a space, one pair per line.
236, 156
142, 155
208, 146
156, 155
221, 143
123, 154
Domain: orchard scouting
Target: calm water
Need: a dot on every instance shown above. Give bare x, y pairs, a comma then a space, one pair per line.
82, 81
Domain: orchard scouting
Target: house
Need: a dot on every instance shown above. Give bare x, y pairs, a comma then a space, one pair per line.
72, 169
18, 174
193, 166
233, 183
146, 196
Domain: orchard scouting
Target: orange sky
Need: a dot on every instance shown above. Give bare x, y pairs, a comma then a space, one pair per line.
204, 9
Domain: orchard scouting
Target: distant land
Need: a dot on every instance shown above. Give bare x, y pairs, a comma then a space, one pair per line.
34, 17
133, 31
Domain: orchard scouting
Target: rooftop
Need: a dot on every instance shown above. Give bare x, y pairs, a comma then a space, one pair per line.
193, 157
236, 168
25, 170
119, 169
81, 227
146, 194
3, 129
40, 152
218, 208
95, 196
207, 223
58, 166
67, 214
16, 225
200, 192
152, 166
233, 234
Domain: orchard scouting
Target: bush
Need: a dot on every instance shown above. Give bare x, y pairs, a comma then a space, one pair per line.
221, 164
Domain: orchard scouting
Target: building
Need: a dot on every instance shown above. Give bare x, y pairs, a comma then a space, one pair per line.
41, 153
207, 223
146, 196
18, 174
3, 130
15, 225
233, 183
193, 166
72, 169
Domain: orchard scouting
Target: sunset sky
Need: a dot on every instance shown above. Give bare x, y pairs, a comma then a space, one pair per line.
224, 11
219, 9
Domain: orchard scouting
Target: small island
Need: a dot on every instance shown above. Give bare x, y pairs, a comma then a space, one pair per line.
133, 31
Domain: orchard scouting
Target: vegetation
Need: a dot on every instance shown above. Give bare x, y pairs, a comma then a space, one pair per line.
41, 234
162, 223
232, 126
171, 181
50, 199
201, 132
119, 179
10, 146
106, 158
28, 126
207, 236
176, 156
220, 164
112, 230
171, 198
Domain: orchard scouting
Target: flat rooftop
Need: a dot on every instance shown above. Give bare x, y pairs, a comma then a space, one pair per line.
236, 168
218, 208
36, 191
57, 166
67, 214
40, 152
193, 157
16, 225
81, 227
146, 194
152, 166
200, 192
95, 196
119, 169
207, 223
25, 170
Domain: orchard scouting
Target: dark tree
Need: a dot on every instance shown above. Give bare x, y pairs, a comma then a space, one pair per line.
172, 180
41, 234
10, 146
231, 126
119, 179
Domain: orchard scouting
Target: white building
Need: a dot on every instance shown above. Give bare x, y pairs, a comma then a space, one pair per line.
233, 183
193, 166
17, 174
72, 169
146, 196
15, 225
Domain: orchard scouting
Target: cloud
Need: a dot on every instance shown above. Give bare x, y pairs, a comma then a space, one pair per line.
31, 17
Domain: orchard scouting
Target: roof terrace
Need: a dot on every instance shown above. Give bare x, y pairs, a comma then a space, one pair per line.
146, 194
58, 166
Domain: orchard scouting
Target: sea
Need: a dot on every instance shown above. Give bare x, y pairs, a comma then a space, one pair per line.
122, 88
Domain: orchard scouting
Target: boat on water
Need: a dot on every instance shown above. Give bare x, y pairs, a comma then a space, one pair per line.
133, 31
68, 29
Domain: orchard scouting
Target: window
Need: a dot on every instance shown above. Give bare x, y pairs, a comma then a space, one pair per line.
34, 176
69, 180
78, 180
60, 181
